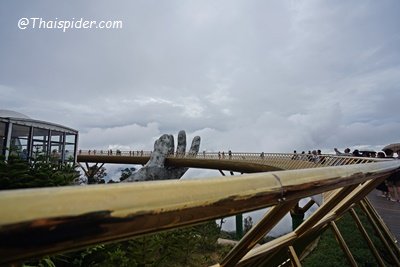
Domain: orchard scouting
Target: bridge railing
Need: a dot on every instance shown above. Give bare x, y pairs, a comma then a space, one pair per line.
37, 222
283, 161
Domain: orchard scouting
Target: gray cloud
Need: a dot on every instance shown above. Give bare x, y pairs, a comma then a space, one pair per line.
245, 75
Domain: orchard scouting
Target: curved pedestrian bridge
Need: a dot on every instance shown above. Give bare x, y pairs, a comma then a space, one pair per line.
52, 220
240, 162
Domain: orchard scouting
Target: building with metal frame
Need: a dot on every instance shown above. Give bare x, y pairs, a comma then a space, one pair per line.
30, 137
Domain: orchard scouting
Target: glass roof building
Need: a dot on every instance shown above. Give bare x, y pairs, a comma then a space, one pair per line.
28, 137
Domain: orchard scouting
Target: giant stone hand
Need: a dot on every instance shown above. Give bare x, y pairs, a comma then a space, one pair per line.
164, 146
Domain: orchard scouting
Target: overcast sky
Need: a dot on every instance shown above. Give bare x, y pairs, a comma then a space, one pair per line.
248, 76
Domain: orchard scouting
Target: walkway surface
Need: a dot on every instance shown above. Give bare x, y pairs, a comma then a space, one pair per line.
388, 210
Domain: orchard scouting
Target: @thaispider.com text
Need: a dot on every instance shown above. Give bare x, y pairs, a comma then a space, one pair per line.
64, 25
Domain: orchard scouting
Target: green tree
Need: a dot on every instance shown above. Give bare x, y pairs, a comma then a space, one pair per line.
118, 257
88, 257
40, 170
144, 251
190, 246
208, 234
14, 172
185, 245
96, 174
125, 173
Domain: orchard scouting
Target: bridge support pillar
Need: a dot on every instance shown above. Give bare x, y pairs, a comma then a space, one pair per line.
239, 226
297, 219
297, 213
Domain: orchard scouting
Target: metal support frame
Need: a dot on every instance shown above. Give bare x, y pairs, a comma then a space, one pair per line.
293, 257
91, 172
334, 207
262, 254
269, 220
383, 226
8, 140
59, 218
366, 237
372, 221
343, 244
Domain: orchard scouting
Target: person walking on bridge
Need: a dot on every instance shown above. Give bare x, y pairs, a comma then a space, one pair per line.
393, 181
345, 154
382, 186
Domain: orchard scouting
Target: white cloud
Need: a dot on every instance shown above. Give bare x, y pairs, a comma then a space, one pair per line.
128, 137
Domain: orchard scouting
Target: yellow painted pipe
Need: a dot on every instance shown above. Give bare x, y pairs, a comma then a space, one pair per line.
36, 222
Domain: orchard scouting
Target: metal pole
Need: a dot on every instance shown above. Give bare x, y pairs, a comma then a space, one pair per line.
378, 231
293, 257
239, 226
343, 244
297, 215
367, 238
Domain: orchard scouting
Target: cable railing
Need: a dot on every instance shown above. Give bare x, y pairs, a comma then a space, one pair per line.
36, 222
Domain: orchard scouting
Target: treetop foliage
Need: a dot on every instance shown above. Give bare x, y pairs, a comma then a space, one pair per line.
40, 170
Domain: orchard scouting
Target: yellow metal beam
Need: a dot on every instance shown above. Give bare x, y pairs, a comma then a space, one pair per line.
37, 222
343, 244
367, 238
293, 257
264, 250
271, 218
372, 221
389, 236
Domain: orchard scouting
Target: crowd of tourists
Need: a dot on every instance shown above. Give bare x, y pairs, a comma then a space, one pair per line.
313, 156
390, 188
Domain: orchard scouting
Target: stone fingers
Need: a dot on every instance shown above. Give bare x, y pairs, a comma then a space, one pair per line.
195, 147
162, 147
181, 147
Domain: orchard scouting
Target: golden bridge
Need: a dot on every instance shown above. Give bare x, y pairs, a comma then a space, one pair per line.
36, 222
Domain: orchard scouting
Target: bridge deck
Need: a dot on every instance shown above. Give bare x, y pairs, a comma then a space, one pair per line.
389, 212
